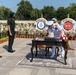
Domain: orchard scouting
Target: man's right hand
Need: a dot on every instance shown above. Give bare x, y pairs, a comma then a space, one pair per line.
10, 34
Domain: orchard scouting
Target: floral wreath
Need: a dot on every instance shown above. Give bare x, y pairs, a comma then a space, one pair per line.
68, 24
40, 24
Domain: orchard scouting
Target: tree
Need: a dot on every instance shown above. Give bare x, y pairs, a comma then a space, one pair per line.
72, 10
48, 12
24, 10
61, 13
4, 12
35, 14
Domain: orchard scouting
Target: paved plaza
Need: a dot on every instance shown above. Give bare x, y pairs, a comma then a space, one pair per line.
18, 63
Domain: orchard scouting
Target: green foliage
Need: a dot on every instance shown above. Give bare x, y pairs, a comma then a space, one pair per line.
4, 12
72, 11
35, 14
24, 10
3, 34
48, 12
61, 13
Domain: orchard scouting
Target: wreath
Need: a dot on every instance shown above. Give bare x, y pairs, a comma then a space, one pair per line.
68, 24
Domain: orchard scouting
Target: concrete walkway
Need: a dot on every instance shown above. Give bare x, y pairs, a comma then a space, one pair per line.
9, 61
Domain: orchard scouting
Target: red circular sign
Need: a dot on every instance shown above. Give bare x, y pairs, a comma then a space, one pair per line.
68, 25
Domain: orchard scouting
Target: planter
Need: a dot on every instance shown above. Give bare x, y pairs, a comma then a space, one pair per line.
75, 38
34, 36
26, 36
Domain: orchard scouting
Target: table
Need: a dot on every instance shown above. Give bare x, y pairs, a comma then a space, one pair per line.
55, 42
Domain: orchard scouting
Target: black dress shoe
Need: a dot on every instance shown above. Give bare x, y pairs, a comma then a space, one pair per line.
11, 51
0, 56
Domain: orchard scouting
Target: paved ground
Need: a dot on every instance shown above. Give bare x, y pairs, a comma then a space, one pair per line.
9, 63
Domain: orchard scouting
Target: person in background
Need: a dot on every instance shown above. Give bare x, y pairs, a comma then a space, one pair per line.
11, 31
58, 32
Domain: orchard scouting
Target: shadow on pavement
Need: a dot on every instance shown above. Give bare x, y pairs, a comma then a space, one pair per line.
30, 44
41, 55
5, 47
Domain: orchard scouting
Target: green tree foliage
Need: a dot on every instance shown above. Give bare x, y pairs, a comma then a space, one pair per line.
72, 10
61, 13
35, 14
4, 12
48, 12
24, 10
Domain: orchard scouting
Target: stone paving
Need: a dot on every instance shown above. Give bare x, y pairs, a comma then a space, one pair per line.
13, 63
